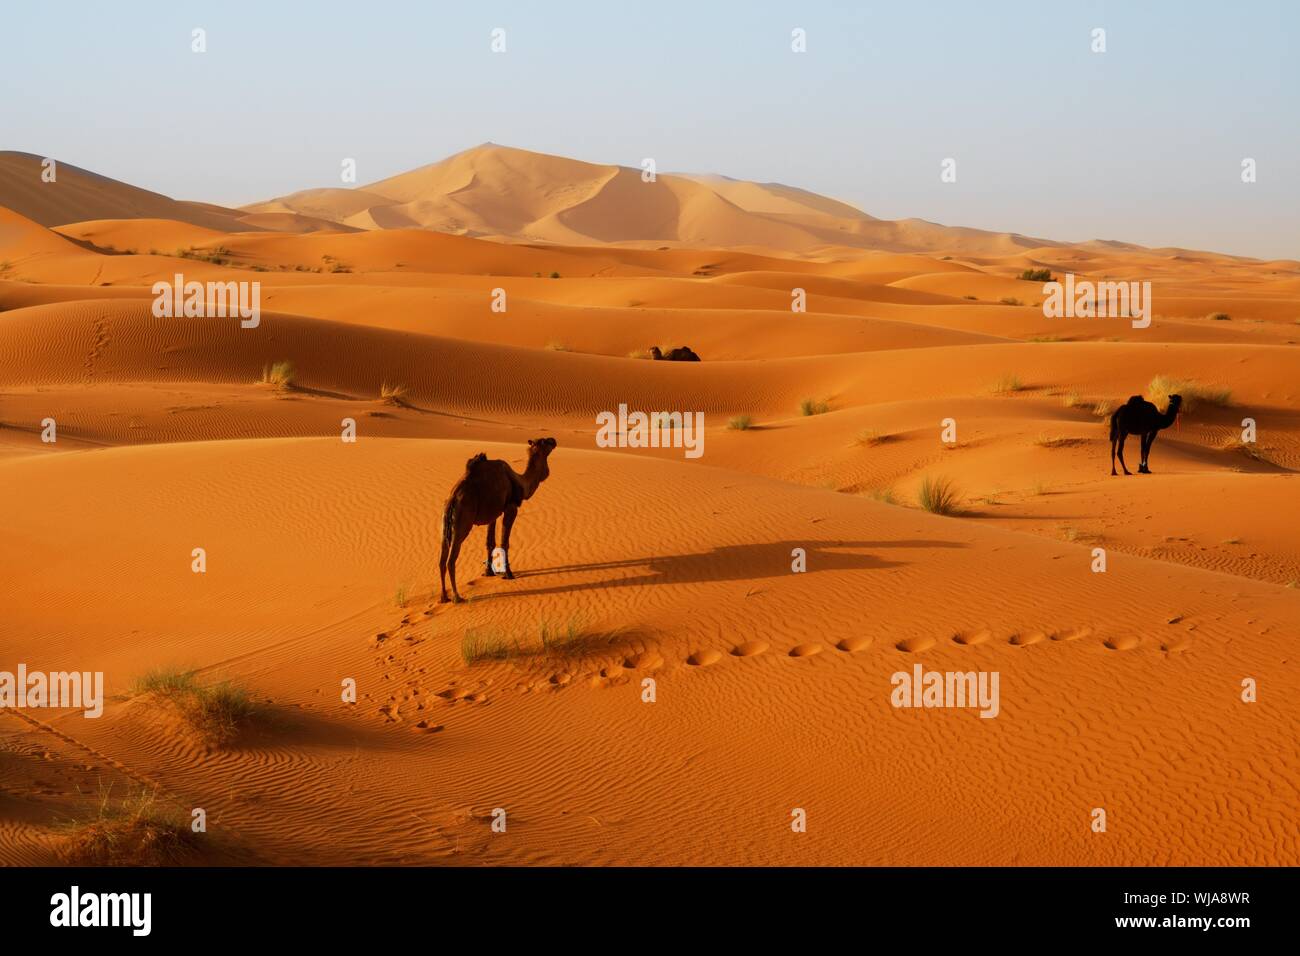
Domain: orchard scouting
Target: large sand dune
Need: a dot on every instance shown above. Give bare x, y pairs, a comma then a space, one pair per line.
1119, 690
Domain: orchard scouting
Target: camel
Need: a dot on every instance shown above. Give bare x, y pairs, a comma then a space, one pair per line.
1139, 417
488, 490
682, 354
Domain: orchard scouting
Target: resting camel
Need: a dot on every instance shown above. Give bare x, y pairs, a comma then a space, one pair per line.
1139, 417
488, 490
682, 354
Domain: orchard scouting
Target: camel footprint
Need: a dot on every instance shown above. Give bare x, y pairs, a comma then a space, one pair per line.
807, 650
914, 645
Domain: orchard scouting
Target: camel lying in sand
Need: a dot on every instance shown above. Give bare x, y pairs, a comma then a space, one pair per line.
1139, 417
488, 490
680, 354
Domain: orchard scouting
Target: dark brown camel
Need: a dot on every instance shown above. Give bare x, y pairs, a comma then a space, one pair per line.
488, 490
1139, 417
681, 354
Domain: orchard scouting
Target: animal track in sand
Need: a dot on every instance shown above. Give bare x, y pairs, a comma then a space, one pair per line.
644, 661
1026, 638
749, 649
704, 658
971, 638
851, 644
914, 645
1124, 642
806, 650
1072, 633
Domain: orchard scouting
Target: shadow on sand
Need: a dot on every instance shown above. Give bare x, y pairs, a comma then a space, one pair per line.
737, 562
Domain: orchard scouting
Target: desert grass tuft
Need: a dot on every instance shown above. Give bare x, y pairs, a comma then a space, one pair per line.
1194, 393
392, 394
218, 712
478, 645
938, 496
885, 495
811, 406
740, 423
279, 374
565, 638
1007, 383
136, 830
870, 437
1045, 440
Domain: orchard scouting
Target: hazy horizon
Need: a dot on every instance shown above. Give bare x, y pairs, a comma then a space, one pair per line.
1142, 143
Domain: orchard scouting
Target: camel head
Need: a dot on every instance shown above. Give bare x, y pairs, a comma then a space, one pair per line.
539, 449
537, 472
655, 353
1175, 403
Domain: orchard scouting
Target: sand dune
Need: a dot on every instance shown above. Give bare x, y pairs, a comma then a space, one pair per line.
502, 192
1120, 689
658, 588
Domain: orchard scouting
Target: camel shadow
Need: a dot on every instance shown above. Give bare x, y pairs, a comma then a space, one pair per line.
737, 562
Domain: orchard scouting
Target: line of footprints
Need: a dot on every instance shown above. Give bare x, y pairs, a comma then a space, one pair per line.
475, 689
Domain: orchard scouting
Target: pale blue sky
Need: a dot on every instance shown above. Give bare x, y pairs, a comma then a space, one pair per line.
1142, 143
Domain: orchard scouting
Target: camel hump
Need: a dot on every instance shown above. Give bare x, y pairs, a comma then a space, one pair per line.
476, 460
1135, 400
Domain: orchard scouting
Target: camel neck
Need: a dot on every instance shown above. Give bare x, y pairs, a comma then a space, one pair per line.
533, 476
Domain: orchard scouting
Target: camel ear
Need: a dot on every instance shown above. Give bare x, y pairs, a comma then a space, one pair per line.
531, 442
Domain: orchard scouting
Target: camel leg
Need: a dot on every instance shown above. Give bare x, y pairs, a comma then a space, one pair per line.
442, 566
507, 522
1146, 454
1113, 441
491, 546
461, 534
1123, 437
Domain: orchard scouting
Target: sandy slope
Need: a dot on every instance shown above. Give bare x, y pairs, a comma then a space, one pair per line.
500, 191
1119, 690
1105, 702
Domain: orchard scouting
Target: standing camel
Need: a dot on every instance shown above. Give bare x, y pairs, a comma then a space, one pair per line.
1139, 417
488, 490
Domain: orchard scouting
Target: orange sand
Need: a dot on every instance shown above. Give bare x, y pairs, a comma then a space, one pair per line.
1118, 690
